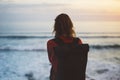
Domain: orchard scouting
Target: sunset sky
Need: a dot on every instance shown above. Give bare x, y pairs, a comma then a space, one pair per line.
102, 9
23, 11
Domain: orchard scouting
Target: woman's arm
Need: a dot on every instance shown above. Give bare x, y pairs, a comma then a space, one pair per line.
50, 45
80, 42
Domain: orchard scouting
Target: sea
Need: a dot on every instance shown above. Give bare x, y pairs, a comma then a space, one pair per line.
23, 55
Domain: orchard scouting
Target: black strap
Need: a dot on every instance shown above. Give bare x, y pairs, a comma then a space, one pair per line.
76, 40
61, 42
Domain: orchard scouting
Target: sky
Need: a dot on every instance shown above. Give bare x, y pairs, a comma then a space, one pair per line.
26, 12
89, 9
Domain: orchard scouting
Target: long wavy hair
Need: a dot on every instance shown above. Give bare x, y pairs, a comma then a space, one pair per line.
63, 26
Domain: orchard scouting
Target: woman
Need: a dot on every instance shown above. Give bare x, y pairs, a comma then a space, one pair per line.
63, 29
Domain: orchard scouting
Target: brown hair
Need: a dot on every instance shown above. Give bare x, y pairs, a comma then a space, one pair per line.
63, 26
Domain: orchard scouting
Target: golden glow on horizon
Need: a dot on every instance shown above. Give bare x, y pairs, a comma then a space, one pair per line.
98, 5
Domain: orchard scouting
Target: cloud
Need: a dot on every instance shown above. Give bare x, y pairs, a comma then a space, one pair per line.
36, 12
47, 12
37, 1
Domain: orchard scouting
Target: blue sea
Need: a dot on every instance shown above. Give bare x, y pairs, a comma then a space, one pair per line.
25, 28
23, 55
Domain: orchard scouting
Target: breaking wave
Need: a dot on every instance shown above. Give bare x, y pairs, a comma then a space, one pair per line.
30, 48
28, 37
114, 46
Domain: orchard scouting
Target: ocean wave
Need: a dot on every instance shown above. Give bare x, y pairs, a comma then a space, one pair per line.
115, 46
24, 37
28, 37
99, 36
20, 49
30, 48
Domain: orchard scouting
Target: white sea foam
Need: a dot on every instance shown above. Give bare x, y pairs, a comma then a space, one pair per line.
21, 56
